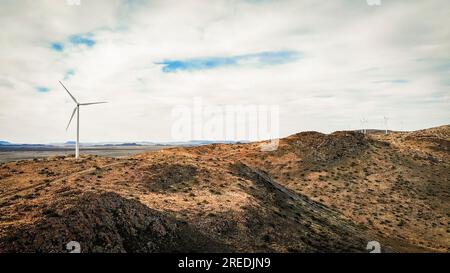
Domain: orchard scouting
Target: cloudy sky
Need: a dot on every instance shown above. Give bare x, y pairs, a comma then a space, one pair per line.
326, 64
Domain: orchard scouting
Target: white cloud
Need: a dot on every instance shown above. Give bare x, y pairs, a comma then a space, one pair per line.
358, 61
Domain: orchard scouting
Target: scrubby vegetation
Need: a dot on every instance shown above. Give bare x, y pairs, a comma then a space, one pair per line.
315, 193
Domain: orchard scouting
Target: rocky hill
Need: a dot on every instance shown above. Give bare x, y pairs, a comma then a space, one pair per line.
315, 193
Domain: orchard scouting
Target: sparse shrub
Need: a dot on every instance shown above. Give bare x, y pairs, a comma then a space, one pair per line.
214, 191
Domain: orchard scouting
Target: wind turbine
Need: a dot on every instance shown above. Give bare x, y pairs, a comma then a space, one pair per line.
77, 109
363, 127
386, 124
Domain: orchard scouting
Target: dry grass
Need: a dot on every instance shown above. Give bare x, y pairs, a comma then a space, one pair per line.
394, 188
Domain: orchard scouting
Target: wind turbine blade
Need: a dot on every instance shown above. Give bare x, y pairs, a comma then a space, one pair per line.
73, 114
90, 103
69, 93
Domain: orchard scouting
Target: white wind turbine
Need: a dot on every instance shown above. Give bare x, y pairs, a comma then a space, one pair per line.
364, 122
77, 109
386, 124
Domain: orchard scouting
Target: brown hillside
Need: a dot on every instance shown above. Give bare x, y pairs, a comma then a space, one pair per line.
315, 193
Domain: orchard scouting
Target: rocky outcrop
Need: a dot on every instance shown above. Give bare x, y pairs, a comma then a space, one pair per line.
107, 222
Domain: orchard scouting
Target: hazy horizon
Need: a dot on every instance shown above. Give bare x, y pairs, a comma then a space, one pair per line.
192, 140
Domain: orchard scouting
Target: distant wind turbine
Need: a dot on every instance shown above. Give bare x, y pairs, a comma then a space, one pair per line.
364, 122
77, 109
386, 124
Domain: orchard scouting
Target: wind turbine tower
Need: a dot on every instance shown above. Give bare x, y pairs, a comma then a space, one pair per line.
386, 124
77, 110
364, 122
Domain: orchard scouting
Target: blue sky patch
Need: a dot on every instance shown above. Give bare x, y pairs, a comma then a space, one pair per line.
57, 47
444, 66
396, 81
42, 89
69, 73
82, 40
400, 81
255, 59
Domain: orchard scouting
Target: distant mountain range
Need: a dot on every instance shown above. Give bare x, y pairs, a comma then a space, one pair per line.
9, 144
141, 143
